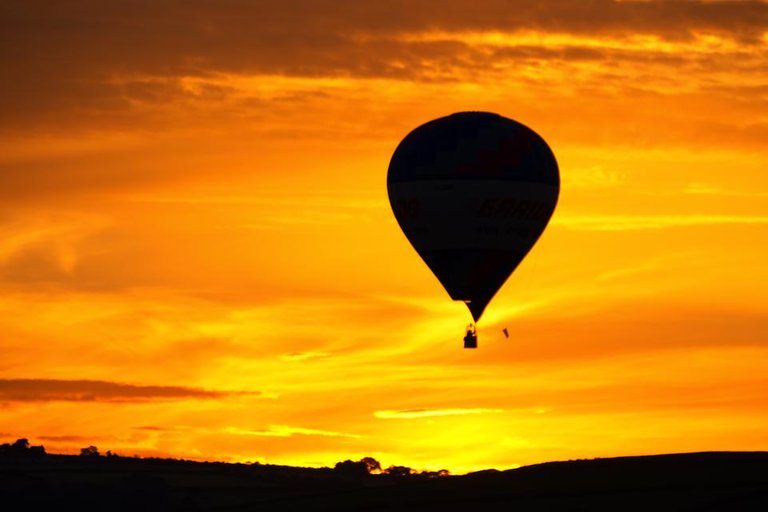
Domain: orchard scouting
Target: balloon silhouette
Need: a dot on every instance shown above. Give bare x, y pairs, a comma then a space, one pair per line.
472, 192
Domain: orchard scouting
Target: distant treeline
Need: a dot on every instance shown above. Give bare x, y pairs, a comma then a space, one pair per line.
21, 450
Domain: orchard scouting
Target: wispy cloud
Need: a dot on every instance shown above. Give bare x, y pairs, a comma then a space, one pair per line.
428, 413
60, 236
47, 390
303, 356
634, 222
288, 431
592, 177
701, 188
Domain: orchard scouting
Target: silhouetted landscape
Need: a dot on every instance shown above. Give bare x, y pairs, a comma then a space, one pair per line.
32, 479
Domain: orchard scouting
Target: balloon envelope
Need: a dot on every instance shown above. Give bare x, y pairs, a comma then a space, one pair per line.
473, 192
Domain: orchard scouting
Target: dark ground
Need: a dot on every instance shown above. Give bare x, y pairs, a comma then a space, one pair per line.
714, 481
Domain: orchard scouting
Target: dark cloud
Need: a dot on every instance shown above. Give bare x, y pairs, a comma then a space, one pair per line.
72, 438
48, 390
61, 59
152, 428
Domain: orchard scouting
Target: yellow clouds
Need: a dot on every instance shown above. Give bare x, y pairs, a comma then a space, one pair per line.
428, 413
696, 43
287, 431
623, 223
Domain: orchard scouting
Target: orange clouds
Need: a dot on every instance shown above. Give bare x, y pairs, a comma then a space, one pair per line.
119, 65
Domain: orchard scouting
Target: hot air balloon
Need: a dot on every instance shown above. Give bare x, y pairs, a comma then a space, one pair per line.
472, 192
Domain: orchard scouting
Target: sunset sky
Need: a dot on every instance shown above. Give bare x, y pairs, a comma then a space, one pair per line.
198, 258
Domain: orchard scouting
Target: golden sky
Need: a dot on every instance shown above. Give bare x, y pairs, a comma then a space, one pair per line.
198, 258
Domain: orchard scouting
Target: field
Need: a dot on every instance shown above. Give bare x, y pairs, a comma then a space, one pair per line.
696, 481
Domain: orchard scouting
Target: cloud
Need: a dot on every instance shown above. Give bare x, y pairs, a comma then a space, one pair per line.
48, 390
594, 177
72, 438
154, 428
88, 59
304, 356
636, 222
702, 188
288, 431
42, 254
429, 413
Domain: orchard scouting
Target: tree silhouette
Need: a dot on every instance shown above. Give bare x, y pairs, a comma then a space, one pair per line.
89, 451
20, 444
437, 474
361, 468
21, 449
371, 464
399, 471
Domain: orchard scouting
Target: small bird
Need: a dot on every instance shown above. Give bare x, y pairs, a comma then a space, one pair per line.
506, 332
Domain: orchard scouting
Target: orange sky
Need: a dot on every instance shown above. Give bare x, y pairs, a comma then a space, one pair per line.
198, 258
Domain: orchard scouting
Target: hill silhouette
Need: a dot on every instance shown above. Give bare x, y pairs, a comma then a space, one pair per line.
30, 479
